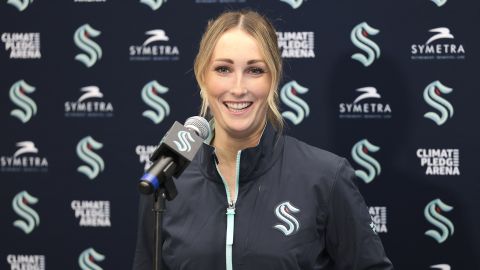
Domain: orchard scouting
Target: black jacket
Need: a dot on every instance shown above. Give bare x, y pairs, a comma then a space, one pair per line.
297, 208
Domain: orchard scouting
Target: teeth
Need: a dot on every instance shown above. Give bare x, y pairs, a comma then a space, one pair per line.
237, 105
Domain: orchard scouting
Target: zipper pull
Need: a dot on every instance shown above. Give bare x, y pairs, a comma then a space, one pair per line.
230, 223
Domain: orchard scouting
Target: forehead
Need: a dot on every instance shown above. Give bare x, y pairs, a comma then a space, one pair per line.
237, 44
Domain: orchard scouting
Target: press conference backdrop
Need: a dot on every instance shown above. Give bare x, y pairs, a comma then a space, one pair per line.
89, 87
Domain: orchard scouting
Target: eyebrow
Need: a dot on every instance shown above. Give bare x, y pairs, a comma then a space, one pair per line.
230, 61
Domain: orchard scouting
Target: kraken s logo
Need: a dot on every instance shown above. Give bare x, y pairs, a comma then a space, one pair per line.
283, 212
17, 95
432, 95
288, 95
87, 259
153, 4
92, 50
432, 214
359, 37
439, 3
21, 5
184, 144
150, 96
294, 3
85, 153
360, 155
441, 266
20, 206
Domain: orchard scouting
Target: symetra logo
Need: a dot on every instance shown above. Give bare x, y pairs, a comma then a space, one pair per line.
151, 50
25, 159
434, 216
18, 96
438, 47
293, 3
92, 213
185, 138
433, 96
379, 218
33, 262
150, 96
440, 161
364, 109
290, 224
144, 152
22, 45
82, 38
441, 266
88, 259
288, 95
359, 37
153, 4
90, 104
296, 44
21, 5
20, 205
360, 155
439, 3
85, 153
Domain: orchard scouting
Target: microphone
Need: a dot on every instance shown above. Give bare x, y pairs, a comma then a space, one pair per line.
175, 151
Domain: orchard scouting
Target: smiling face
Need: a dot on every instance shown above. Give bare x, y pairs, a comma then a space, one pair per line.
237, 84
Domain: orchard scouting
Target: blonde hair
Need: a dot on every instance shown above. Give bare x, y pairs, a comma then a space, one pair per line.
262, 30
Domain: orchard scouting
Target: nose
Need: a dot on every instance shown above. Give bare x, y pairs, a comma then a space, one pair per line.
238, 88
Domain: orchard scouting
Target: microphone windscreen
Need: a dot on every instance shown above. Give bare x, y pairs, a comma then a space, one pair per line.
199, 125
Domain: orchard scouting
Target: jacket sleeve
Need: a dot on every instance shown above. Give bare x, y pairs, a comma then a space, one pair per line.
144, 250
350, 237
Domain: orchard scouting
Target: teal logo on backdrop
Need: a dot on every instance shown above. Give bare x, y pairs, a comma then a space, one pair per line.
360, 154
92, 51
150, 95
359, 37
288, 95
444, 225
293, 3
153, 4
433, 96
89, 258
18, 96
21, 5
30, 218
94, 162
439, 2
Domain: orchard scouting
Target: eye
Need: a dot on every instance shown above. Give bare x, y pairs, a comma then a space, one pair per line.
222, 69
256, 70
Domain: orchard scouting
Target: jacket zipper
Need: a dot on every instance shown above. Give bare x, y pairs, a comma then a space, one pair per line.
230, 213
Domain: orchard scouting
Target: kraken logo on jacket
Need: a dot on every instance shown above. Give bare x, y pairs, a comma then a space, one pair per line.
21, 5
93, 51
150, 95
18, 96
184, 145
433, 96
360, 155
434, 216
293, 3
85, 153
89, 258
439, 3
284, 212
153, 4
20, 205
288, 95
359, 37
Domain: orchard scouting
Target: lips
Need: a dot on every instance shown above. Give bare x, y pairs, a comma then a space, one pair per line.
237, 106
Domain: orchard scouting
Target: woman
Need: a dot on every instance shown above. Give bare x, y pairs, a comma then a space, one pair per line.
254, 198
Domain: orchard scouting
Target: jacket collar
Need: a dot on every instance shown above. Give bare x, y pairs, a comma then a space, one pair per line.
254, 161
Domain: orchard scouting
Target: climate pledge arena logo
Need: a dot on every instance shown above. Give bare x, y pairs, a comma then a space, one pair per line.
289, 96
440, 46
89, 259
296, 44
156, 47
362, 108
89, 104
22, 45
144, 153
440, 161
92, 52
95, 163
30, 218
26, 106
360, 154
92, 213
26, 262
379, 218
25, 159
